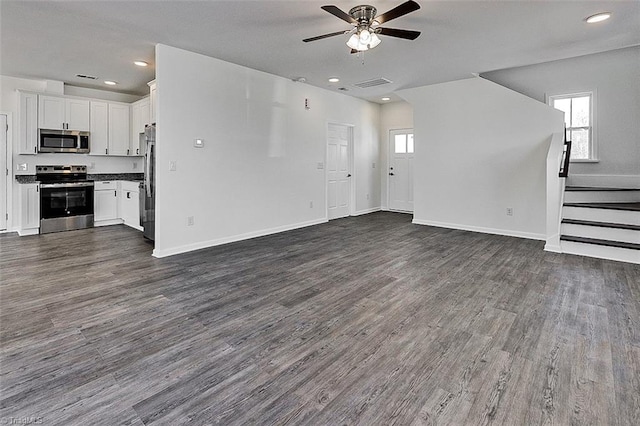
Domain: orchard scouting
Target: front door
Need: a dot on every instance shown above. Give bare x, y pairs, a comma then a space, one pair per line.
338, 171
401, 170
4, 171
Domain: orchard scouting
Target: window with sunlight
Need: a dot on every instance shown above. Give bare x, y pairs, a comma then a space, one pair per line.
578, 119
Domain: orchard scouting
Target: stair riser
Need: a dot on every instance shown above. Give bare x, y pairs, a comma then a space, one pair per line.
601, 252
628, 217
602, 196
601, 233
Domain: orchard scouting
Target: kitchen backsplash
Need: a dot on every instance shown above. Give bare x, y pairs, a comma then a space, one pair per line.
97, 177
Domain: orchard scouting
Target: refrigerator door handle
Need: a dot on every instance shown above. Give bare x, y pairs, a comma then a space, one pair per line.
147, 175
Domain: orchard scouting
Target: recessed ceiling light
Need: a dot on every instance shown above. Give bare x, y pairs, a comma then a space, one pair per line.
334, 80
598, 17
386, 98
110, 83
141, 63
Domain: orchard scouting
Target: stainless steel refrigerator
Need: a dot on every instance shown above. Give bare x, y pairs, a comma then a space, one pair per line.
148, 218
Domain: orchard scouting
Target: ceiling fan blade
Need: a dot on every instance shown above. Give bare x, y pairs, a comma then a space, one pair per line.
394, 32
336, 11
398, 11
320, 37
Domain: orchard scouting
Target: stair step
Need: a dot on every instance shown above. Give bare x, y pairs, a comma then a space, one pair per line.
602, 224
607, 206
601, 252
577, 211
606, 196
597, 188
608, 243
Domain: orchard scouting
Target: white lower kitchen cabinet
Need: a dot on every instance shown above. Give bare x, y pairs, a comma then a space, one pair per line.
130, 204
29, 209
105, 203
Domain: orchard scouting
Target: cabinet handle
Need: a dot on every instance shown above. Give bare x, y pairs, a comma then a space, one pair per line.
115, 193
137, 151
35, 149
106, 150
128, 194
127, 152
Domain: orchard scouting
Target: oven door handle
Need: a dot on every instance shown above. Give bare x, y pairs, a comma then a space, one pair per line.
66, 185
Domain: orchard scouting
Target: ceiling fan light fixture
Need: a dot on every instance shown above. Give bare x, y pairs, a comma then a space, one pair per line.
365, 36
360, 43
354, 43
375, 40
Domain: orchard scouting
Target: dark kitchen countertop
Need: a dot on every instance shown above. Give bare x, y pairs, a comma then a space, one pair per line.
135, 177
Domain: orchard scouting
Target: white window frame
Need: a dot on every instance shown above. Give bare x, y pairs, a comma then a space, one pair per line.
593, 146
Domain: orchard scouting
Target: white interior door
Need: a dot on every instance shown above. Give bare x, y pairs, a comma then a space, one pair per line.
338, 171
4, 171
401, 147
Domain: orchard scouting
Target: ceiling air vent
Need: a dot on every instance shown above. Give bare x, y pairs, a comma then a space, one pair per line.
90, 77
371, 83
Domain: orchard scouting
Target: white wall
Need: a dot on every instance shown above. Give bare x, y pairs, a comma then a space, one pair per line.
258, 171
615, 78
9, 105
481, 148
393, 116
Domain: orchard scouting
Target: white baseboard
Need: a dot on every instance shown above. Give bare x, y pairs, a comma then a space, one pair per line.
108, 222
367, 211
553, 244
615, 181
25, 232
234, 238
506, 232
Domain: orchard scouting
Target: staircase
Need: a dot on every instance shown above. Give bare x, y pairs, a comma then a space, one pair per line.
601, 222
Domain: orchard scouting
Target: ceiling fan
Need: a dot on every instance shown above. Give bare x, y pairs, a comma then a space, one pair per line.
366, 25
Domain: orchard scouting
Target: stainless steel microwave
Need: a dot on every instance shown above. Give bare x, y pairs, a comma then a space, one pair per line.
63, 141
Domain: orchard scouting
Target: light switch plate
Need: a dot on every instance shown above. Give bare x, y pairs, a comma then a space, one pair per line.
172, 166
320, 166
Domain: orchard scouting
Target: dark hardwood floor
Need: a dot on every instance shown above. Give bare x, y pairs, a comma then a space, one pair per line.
368, 320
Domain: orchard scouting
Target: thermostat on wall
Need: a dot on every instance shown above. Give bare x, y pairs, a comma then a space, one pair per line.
199, 143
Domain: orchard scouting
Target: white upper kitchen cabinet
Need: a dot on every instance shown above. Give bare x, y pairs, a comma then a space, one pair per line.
109, 128
140, 117
60, 113
119, 129
28, 116
99, 138
152, 100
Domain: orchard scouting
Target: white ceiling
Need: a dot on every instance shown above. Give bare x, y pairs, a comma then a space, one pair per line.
58, 39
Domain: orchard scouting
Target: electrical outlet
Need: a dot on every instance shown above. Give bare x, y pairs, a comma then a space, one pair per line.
190, 221
509, 211
172, 166
135, 165
92, 165
373, 165
310, 204
320, 166
367, 196
22, 167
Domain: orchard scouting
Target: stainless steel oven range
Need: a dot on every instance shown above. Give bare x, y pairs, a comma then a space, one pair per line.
66, 198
